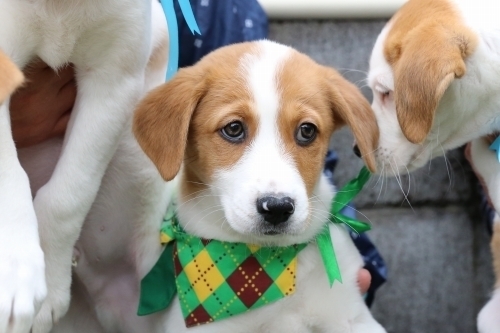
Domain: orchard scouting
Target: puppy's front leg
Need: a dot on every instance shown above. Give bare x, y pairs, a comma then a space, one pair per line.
106, 98
22, 279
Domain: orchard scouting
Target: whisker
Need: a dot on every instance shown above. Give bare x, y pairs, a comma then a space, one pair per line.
218, 208
398, 180
382, 176
448, 168
370, 152
349, 70
205, 184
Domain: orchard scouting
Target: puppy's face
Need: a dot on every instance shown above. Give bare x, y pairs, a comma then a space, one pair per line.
420, 52
252, 123
10, 77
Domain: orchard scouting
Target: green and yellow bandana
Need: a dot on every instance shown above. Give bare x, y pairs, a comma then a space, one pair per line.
215, 280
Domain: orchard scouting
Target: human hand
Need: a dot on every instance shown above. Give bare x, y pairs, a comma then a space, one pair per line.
41, 108
364, 280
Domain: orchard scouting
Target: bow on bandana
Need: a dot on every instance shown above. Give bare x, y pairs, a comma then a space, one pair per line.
161, 284
173, 31
324, 240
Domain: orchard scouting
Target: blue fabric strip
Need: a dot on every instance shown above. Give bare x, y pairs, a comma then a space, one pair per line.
495, 146
187, 12
173, 35
173, 31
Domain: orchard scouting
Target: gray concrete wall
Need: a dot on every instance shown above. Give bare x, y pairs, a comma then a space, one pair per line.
434, 243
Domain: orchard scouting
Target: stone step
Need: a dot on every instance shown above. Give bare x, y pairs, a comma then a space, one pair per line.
440, 272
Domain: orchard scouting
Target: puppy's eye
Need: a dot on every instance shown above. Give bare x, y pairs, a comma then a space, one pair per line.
233, 132
306, 133
386, 94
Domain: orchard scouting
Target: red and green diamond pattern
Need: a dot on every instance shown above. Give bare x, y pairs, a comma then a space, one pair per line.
216, 280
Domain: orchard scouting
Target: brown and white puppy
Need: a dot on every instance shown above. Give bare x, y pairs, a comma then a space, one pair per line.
435, 75
248, 127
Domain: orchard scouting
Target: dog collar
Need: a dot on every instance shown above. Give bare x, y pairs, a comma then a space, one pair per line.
215, 280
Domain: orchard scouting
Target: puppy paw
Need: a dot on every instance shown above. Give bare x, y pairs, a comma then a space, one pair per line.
22, 281
54, 307
58, 233
488, 320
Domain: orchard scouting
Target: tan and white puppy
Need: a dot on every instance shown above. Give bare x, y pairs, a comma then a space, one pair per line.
251, 124
435, 75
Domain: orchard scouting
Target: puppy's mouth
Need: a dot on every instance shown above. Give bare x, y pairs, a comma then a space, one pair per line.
270, 230
273, 232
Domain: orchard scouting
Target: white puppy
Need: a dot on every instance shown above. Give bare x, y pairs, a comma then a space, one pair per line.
435, 76
252, 123
109, 43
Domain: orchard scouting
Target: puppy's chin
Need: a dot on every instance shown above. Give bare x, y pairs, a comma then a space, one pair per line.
418, 159
264, 234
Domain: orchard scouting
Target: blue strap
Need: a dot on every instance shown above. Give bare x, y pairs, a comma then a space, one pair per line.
495, 146
187, 12
173, 31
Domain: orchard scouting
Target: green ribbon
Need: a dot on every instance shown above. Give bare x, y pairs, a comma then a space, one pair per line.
324, 240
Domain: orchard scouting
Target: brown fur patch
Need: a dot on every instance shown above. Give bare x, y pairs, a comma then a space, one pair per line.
427, 45
304, 98
10, 77
181, 120
321, 96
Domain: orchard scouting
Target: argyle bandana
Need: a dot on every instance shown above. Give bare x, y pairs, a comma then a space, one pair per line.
215, 280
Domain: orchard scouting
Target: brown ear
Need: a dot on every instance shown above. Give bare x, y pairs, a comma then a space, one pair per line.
10, 77
432, 57
161, 120
351, 107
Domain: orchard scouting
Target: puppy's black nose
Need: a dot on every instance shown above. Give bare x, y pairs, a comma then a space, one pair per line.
356, 151
275, 210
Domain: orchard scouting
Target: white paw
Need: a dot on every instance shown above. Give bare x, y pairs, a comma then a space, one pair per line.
22, 281
488, 320
57, 301
52, 310
58, 234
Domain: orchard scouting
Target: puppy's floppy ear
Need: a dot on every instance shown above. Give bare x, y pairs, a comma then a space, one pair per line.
432, 57
351, 107
161, 120
10, 77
